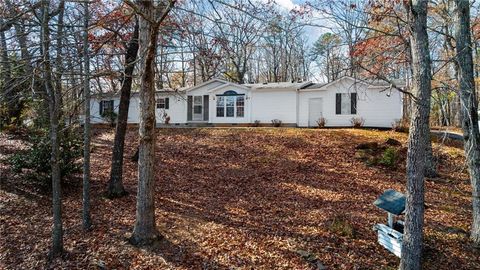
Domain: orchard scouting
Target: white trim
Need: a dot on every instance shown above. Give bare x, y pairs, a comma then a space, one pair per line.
325, 86
205, 83
228, 85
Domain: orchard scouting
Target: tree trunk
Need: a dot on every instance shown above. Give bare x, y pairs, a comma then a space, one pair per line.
59, 58
145, 231
6, 78
418, 136
86, 219
430, 160
115, 185
469, 119
53, 97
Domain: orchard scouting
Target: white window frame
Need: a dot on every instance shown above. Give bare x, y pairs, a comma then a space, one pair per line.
235, 106
160, 103
201, 105
346, 100
109, 102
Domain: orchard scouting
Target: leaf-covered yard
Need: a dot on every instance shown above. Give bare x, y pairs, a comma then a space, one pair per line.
241, 199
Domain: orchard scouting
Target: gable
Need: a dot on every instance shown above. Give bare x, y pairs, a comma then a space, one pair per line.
204, 88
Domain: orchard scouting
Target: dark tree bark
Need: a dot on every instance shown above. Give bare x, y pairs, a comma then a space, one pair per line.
115, 185
54, 112
430, 169
86, 218
59, 58
418, 136
151, 16
430, 160
6, 77
468, 101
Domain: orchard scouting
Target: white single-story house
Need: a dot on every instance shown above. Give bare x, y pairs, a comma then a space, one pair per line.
301, 104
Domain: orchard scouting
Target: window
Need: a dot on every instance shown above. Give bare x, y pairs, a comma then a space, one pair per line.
240, 106
197, 104
106, 107
346, 103
162, 103
220, 106
230, 104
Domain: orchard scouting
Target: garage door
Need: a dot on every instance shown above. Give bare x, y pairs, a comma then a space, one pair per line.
315, 111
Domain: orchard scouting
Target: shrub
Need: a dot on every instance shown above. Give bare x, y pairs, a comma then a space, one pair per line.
389, 157
321, 122
165, 117
256, 123
340, 225
36, 159
110, 116
276, 122
401, 125
393, 142
357, 122
368, 145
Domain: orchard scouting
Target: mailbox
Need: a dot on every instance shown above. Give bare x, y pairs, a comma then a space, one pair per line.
390, 235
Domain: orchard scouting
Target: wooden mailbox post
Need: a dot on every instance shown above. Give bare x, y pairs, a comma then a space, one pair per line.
390, 235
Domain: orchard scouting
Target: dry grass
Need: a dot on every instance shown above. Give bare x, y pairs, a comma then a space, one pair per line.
242, 198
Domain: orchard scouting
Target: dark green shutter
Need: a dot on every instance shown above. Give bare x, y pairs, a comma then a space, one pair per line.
167, 103
112, 108
205, 108
189, 108
338, 103
353, 103
100, 103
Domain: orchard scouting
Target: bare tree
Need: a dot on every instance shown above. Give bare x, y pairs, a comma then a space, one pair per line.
54, 112
115, 185
471, 133
150, 18
418, 137
238, 36
87, 223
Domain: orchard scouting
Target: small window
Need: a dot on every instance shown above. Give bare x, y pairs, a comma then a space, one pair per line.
346, 103
240, 106
230, 104
197, 104
162, 103
220, 106
106, 107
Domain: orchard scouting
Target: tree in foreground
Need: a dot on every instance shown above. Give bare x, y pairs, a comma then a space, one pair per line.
150, 18
469, 115
115, 185
54, 114
418, 136
86, 218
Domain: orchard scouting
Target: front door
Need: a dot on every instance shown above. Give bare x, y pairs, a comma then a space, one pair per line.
197, 108
315, 111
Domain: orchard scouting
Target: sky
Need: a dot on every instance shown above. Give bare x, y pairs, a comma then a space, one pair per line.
312, 32
288, 4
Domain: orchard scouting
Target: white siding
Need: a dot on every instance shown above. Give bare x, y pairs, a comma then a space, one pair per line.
274, 104
134, 110
203, 90
303, 106
177, 109
377, 108
381, 108
213, 106
95, 117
